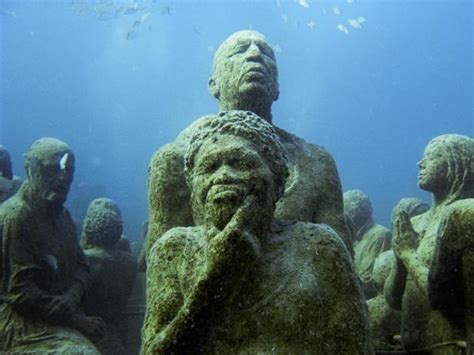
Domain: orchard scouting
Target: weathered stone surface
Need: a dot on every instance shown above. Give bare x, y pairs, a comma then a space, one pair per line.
44, 271
245, 77
370, 239
432, 279
385, 322
242, 281
113, 271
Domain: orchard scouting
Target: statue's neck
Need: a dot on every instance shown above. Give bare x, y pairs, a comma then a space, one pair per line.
263, 110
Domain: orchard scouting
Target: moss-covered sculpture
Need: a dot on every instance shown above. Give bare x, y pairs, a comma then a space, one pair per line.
43, 269
113, 272
243, 282
370, 239
245, 78
385, 322
432, 281
9, 184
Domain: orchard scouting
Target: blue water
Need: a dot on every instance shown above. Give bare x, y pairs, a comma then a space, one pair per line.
115, 93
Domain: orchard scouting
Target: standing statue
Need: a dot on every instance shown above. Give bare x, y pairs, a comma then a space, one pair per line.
242, 281
245, 77
369, 239
43, 269
9, 184
113, 272
432, 279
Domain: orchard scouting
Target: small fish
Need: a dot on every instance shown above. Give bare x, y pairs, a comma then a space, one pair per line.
336, 11
303, 3
311, 24
5, 12
342, 28
354, 23
131, 35
361, 19
277, 48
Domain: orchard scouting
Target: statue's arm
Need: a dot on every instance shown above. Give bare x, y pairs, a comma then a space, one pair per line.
22, 271
395, 284
347, 331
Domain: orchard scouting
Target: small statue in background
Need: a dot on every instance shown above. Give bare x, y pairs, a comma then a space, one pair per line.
44, 271
369, 239
9, 184
242, 281
113, 270
432, 279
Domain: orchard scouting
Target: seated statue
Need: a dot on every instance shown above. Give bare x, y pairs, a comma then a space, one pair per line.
369, 239
43, 269
245, 77
243, 282
385, 322
9, 184
432, 279
113, 272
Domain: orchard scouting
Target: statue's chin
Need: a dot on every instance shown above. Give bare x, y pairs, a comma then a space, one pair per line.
56, 198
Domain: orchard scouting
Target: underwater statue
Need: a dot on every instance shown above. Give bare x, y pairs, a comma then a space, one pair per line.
411, 205
385, 322
9, 184
369, 238
113, 272
433, 276
245, 77
44, 271
243, 281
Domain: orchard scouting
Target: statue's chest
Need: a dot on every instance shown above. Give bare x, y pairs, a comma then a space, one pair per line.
279, 298
428, 233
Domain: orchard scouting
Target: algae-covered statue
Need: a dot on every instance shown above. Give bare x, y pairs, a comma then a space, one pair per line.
432, 279
370, 238
385, 322
113, 272
9, 184
242, 281
245, 77
43, 269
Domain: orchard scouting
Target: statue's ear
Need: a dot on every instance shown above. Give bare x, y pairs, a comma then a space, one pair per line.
213, 87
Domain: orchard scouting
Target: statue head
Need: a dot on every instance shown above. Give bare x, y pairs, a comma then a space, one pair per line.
234, 155
49, 165
102, 225
5, 163
357, 209
447, 167
411, 205
244, 75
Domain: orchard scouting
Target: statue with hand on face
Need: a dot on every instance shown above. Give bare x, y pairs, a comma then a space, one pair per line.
245, 77
242, 281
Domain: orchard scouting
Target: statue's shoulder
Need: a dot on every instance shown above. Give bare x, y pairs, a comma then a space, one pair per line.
185, 136
176, 240
314, 238
15, 208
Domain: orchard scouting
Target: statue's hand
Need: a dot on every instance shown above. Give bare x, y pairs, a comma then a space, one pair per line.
61, 307
405, 239
235, 240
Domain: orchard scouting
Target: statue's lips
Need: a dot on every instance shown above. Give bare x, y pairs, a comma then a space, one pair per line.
225, 192
255, 72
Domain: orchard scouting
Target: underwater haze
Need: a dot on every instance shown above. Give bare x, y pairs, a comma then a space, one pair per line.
372, 81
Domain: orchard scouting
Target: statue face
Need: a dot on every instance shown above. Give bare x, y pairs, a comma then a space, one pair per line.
227, 169
246, 66
53, 176
433, 169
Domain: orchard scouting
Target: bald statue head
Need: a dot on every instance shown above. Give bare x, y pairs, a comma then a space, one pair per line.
245, 75
358, 208
49, 165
